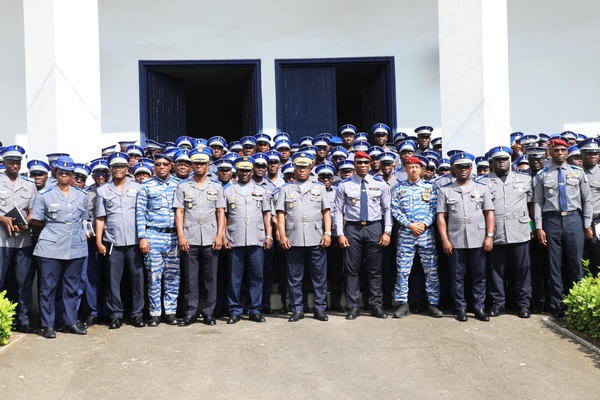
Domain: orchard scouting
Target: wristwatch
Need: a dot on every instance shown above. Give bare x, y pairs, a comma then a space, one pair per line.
389, 233
490, 235
327, 233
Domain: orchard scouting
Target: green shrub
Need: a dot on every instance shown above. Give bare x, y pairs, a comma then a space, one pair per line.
583, 306
7, 313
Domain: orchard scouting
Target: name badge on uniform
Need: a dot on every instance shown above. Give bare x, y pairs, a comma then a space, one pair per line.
189, 196
426, 197
314, 191
211, 194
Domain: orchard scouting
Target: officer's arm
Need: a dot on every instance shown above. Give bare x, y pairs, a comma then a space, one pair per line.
338, 205
283, 240
268, 229
587, 203
490, 225
396, 210
37, 216
183, 242
385, 209
99, 233
443, 230
326, 239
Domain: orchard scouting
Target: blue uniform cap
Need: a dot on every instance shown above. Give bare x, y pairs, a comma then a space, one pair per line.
263, 138
305, 141
108, 150
431, 154
400, 136
127, 143
482, 161
185, 142
54, 156
569, 134
522, 160
407, 145
248, 141
339, 151
182, 155
573, 151
432, 163
282, 136
163, 156
98, 164
423, 130
336, 141
142, 167
135, 150
527, 140
261, 158
82, 169
361, 145
537, 152
295, 147
118, 158
38, 166
325, 169
453, 152
500, 152
13, 152
347, 129
387, 156
320, 141
283, 144
146, 160
380, 129
361, 137
235, 146
444, 163
543, 137
346, 164
424, 160
273, 155
590, 145
436, 142
64, 163
309, 149
224, 164
375, 151
170, 152
288, 168
580, 137
201, 143
217, 141
154, 145
462, 159
514, 137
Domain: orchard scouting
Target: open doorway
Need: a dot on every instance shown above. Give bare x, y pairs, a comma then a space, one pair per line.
319, 95
199, 99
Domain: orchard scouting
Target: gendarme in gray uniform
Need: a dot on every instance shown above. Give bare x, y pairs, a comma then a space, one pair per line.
22, 196
119, 210
245, 205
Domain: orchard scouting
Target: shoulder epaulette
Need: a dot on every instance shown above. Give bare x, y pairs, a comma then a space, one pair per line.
522, 172
577, 168
28, 179
346, 180
479, 183
542, 170
215, 181
45, 190
277, 191
317, 183
149, 180
82, 190
378, 178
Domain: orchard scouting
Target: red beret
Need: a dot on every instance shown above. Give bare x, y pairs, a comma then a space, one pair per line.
558, 142
412, 160
361, 154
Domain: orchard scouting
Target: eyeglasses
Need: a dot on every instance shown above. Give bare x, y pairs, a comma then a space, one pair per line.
162, 164
36, 174
260, 166
362, 162
321, 147
79, 179
462, 166
325, 177
63, 173
98, 174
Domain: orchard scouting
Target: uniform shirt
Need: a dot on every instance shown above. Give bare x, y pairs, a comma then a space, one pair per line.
510, 200
154, 205
119, 212
304, 208
400, 173
267, 185
347, 201
244, 208
464, 206
92, 191
545, 193
593, 176
200, 205
20, 195
393, 181
63, 236
278, 182
414, 202
443, 180
331, 196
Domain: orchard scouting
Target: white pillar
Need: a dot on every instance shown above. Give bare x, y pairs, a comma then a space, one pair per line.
474, 82
62, 64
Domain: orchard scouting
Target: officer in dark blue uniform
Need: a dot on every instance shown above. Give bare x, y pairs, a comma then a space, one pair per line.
61, 247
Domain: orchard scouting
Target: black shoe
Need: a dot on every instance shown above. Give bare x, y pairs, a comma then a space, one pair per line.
209, 320
353, 313
538, 308
296, 316
256, 317
481, 315
90, 321
188, 320
377, 312
402, 311
170, 319
337, 308
557, 312
320, 315
26, 329
497, 310
49, 333
284, 310
233, 318
138, 322
74, 329
267, 310
524, 312
307, 309
435, 312
154, 321
461, 315
115, 323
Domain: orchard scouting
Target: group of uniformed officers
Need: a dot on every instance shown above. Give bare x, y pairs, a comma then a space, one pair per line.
218, 221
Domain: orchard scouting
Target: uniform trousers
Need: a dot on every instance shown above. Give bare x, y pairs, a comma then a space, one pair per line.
22, 260
335, 272
539, 274
408, 245
162, 268
473, 261
92, 280
65, 274
513, 257
315, 258
364, 243
565, 239
591, 251
191, 261
222, 279
121, 257
268, 276
251, 260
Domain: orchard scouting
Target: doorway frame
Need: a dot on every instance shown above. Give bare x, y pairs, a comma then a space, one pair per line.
325, 62
146, 65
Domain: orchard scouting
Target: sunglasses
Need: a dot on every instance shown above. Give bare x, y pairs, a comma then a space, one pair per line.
79, 179
362, 162
162, 164
36, 174
63, 173
462, 166
97, 174
260, 166
321, 147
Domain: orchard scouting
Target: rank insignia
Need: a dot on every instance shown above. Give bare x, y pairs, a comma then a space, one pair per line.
190, 204
233, 206
353, 201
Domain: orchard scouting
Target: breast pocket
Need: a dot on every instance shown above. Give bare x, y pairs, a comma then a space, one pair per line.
290, 204
155, 201
451, 204
52, 213
572, 185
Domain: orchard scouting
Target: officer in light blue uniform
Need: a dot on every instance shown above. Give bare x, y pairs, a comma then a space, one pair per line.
304, 224
413, 205
15, 239
158, 240
116, 239
248, 232
61, 248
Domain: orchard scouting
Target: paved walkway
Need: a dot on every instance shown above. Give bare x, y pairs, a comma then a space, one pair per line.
416, 357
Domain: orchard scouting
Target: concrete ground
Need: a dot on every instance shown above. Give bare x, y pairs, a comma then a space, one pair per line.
415, 357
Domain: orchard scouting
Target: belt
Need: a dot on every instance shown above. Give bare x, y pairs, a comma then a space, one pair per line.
561, 213
465, 220
363, 223
510, 216
171, 229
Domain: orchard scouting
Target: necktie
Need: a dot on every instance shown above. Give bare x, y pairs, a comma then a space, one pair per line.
364, 209
562, 191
